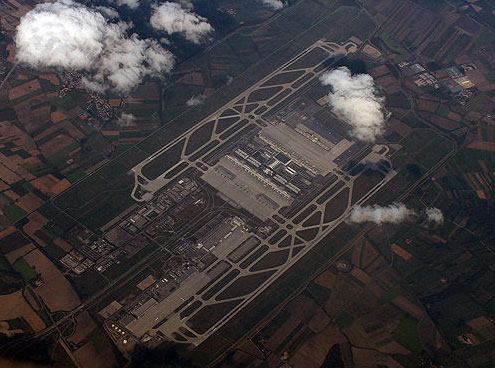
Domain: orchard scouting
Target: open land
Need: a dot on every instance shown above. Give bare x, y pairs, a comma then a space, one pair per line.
226, 228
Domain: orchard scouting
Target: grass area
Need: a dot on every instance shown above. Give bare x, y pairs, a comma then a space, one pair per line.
417, 140
407, 335
459, 45
164, 161
25, 270
478, 101
274, 324
411, 120
490, 76
391, 294
88, 284
485, 39
244, 285
303, 337
13, 212
336, 206
220, 284
395, 46
200, 137
319, 293
289, 337
272, 259
60, 158
443, 110
398, 99
435, 6
75, 175
27, 96
344, 320
209, 315
433, 152
9, 280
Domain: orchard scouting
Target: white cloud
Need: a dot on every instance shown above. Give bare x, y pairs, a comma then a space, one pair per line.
133, 4
175, 18
70, 36
196, 100
275, 4
355, 98
108, 12
126, 119
394, 214
434, 215
186, 4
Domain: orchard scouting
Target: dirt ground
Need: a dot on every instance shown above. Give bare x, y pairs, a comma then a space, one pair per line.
364, 358
15, 305
409, 307
313, 353
24, 89
56, 291
36, 222
88, 357
14, 255
30, 202
56, 144
84, 326
62, 244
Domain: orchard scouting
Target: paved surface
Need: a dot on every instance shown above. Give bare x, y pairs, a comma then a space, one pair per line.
145, 188
245, 189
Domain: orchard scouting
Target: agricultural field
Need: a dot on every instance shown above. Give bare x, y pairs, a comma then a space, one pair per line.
129, 178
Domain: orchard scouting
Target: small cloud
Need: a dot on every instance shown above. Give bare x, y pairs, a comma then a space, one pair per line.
275, 4
133, 4
434, 215
395, 213
196, 100
126, 119
177, 18
108, 12
355, 97
229, 80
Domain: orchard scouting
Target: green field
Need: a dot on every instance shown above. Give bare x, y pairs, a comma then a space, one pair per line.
395, 46
25, 270
406, 334
13, 212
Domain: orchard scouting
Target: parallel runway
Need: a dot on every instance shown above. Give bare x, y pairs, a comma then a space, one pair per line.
145, 188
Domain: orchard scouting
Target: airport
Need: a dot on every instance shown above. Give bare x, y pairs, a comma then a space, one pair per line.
263, 164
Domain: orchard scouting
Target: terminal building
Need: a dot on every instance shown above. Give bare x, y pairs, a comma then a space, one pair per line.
269, 170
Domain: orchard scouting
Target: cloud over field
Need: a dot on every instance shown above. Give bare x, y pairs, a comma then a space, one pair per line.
274, 4
126, 119
70, 36
394, 214
355, 97
434, 215
177, 18
196, 100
